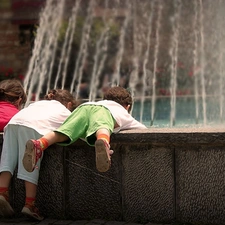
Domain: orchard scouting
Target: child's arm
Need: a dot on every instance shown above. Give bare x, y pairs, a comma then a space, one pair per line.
127, 122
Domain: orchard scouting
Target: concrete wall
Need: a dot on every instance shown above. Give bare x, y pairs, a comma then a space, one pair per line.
159, 175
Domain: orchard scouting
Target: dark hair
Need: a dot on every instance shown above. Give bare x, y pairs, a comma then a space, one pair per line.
63, 96
119, 95
11, 90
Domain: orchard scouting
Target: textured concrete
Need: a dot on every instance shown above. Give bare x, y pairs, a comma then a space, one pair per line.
157, 176
148, 183
48, 221
201, 184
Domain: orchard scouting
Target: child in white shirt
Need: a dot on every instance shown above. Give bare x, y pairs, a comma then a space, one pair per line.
33, 121
93, 122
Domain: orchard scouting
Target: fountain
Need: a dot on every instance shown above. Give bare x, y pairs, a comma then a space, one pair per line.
169, 55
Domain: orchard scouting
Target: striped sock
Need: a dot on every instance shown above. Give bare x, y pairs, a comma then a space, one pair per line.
3, 189
30, 200
43, 143
104, 136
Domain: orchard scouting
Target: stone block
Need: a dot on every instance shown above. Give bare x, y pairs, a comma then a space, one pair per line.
200, 184
89, 193
148, 183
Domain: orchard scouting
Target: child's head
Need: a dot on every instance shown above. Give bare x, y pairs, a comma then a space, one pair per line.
64, 97
12, 91
119, 95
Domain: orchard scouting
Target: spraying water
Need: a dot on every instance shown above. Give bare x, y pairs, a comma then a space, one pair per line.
165, 52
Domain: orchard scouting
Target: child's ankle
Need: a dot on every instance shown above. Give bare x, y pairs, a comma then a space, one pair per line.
4, 190
30, 201
43, 143
104, 137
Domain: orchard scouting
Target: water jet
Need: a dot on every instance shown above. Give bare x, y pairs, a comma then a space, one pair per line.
170, 54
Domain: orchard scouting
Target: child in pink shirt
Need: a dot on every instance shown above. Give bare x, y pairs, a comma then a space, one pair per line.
12, 97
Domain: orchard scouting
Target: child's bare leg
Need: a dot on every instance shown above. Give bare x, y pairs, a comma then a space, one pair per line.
29, 208
53, 137
5, 207
102, 150
104, 134
31, 190
5, 178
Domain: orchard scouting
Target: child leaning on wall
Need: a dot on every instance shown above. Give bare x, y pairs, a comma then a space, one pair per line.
12, 98
33, 121
93, 122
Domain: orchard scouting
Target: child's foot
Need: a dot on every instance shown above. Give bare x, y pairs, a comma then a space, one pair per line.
102, 152
32, 211
32, 154
5, 208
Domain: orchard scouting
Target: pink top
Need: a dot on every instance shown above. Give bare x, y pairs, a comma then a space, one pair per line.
7, 111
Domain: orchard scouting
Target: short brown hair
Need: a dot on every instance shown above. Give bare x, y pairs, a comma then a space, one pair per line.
11, 90
119, 95
63, 96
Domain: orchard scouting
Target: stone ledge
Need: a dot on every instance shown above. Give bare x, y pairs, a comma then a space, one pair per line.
157, 176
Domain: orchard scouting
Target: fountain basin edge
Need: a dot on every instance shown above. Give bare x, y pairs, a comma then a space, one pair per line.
157, 175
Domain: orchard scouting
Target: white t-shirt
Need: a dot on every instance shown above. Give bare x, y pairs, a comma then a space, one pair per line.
42, 116
124, 120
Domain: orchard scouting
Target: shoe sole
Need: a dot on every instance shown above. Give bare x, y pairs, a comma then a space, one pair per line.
29, 156
5, 208
29, 214
103, 161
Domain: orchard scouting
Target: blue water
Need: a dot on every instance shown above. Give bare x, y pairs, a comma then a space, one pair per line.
186, 115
